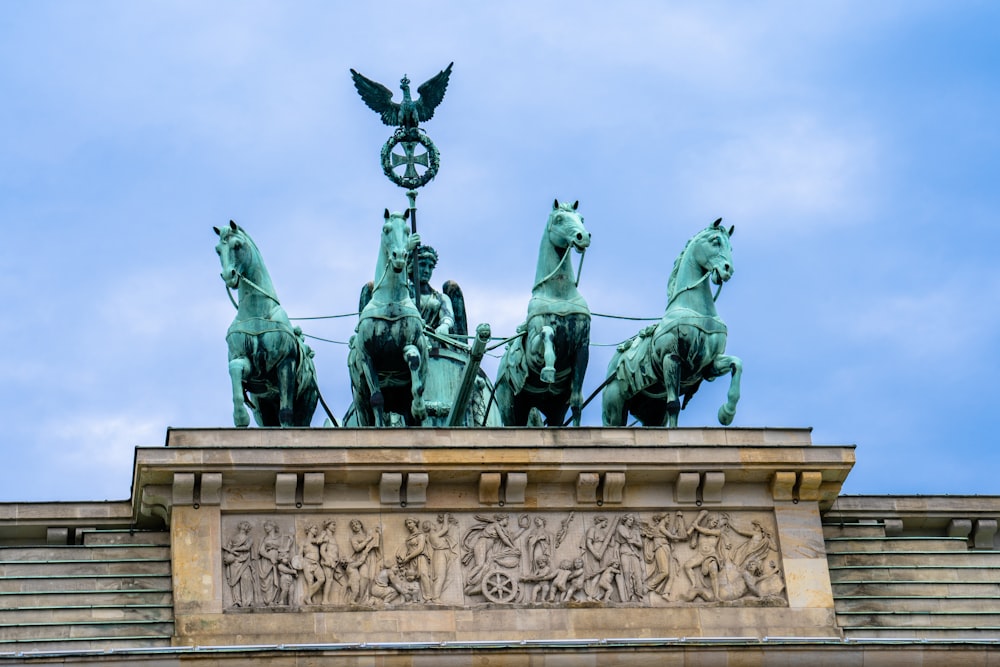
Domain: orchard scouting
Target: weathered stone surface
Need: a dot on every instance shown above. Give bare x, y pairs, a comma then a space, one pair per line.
541, 585
196, 567
808, 583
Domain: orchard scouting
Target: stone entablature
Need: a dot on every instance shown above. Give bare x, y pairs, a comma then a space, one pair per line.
482, 534
972, 517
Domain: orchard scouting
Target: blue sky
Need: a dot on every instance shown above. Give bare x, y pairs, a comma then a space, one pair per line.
854, 145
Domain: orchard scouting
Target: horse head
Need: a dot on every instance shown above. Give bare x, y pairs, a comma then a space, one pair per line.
395, 239
565, 227
714, 253
709, 254
235, 251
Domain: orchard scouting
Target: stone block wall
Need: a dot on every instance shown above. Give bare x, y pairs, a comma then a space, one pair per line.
353, 536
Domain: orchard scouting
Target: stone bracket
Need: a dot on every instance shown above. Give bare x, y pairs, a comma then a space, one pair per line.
155, 501
981, 531
699, 488
196, 489
600, 488
796, 486
960, 528
403, 488
496, 488
59, 536
299, 489
983, 534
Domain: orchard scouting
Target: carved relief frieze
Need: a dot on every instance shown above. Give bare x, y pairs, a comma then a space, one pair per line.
371, 561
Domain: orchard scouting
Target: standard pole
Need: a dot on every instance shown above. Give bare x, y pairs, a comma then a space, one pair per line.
412, 196
457, 415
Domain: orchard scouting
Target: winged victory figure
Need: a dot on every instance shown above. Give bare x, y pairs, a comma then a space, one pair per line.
408, 113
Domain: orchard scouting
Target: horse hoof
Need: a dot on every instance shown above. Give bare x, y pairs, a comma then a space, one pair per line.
418, 409
241, 419
548, 374
726, 415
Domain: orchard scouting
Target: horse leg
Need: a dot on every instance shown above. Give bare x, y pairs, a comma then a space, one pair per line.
413, 357
376, 401
286, 391
548, 373
734, 365
576, 393
613, 404
239, 369
671, 379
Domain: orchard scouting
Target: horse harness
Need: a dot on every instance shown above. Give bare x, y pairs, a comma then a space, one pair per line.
638, 372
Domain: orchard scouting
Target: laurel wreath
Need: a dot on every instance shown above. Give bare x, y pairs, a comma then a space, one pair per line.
415, 135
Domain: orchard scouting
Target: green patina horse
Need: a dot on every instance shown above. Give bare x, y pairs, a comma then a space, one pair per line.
388, 353
651, 371
270, 365
544, 369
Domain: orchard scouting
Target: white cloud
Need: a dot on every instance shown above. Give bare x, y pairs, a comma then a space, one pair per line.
92, 453
788, 171
944, 324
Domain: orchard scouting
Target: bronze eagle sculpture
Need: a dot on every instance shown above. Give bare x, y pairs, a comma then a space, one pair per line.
408, 113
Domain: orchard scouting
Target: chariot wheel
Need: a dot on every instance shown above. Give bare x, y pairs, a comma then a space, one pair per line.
498, 586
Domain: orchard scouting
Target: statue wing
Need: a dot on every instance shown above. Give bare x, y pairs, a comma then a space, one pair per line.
454, 292
379, 98
431, 93
366, 295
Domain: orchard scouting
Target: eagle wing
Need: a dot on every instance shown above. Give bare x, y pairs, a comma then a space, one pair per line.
366, 295
379, 98
454, 292
431, 93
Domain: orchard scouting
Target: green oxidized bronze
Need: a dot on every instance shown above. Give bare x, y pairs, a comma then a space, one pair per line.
409, 139
409, 360
270, 365
406, 116
444, 311
388, 353
651, 371
541, 373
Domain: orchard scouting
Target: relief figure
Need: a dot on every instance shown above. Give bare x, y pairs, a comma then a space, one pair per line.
415, 560
538, 584
329, 560
268, 555
627, 541
361, 569
486, 543
236, 558
443, 551
658, 551
308, 563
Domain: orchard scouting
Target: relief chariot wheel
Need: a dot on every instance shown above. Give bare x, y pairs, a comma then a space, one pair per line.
498, 586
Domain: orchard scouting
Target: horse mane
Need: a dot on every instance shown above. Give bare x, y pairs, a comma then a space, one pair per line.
563, 206
672, 281
246, 237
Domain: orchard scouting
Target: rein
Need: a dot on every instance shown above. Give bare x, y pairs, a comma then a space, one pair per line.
695, 284
252, 284
559, 266
385, 272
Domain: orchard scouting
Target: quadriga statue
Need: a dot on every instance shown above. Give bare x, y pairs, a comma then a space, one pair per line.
388, 353
270, 365
652, 371
542, 371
